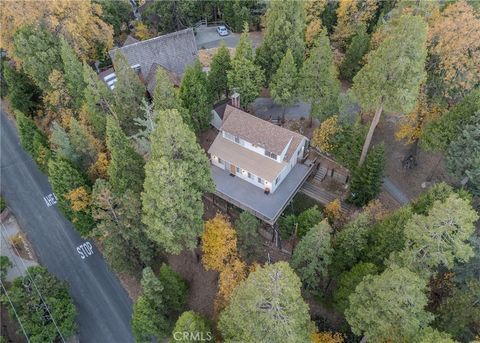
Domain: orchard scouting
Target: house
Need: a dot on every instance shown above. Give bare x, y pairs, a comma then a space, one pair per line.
256, 165
173, 52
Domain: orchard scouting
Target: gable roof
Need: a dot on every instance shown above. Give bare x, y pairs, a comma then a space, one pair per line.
173, 51
151, 79
260, 132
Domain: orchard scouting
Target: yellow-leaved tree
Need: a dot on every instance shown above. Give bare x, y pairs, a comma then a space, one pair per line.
78, 21
230, 277
333, 211
454, 38
323, 135
313, 12
327, 337
58, 103
79, 199
219, 243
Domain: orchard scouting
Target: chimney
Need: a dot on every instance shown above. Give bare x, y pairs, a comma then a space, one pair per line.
235, 100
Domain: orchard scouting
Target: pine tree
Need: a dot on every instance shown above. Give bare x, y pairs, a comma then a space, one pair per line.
391, 78
285, 26
174, 294
61, 144
73, 70
119, 225
217, 76
355, 52
195, 325
283, 86
312, 256
177, 174
23, 95
270, 296
164, 96
463, 156
83, 143
249, 241
125, 170
65, 178
146, 125
195, 98
245, 77
128, 93
319, 83
368, 178
308, 219
389, 306
98, 101
39, 52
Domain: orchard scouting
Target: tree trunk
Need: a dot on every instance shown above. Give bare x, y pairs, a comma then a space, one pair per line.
368, 139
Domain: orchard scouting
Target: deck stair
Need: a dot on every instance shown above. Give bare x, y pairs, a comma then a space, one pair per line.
321, 195
321, 174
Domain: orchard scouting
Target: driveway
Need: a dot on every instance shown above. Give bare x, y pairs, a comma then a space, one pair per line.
266, 109
207, 38
104, 308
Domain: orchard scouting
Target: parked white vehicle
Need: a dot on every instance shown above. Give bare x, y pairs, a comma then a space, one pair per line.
222, 30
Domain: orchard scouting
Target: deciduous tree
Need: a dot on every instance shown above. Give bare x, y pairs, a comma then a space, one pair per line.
312, 256
271, 296
219, 243
389, 306
230, 277
177, 174
394, 71
319, 84
313, 14
324, 135
125, 170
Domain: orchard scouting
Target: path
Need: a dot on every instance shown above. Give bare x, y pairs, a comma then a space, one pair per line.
104, 308
394, 191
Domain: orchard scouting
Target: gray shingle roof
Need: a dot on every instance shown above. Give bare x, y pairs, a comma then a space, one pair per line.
173, 51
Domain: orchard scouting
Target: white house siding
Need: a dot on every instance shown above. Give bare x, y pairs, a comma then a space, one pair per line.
216, 121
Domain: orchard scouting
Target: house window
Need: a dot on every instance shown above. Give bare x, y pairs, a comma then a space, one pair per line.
276, 180
238, 170
237, 140
270, 154
250, 176
220, 161
259, 179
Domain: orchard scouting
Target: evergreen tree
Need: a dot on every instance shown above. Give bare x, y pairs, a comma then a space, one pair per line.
145, 125
319, 84
312, 256
463, 156
439, 133
195, 325
439, 238
348, 281
23, 95
125, 170
283, 86
73, 73
128, 93
356, 50
39, 52
285, 26
61, 144
217, 76
194, 97
118, 223
270, 296
174, 294
65, 179
389, 306
351, 243
147, 323
367, 179
83, 143
308, 219
391, 78
249, 241
164, 96
177, 174
116, 13
98, 101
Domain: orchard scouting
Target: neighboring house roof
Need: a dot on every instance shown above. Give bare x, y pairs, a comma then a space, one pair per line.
130, 40
151, 79
220, 108
173, 51
260, 132
246, 159
108, 76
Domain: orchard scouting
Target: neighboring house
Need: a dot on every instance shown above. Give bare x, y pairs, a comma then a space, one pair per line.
255, 150
172, 52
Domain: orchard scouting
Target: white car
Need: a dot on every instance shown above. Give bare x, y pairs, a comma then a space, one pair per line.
222, 30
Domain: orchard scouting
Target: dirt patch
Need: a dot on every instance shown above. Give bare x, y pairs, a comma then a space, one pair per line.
205, 55
9, 327
207, 137
202, 283
430, 166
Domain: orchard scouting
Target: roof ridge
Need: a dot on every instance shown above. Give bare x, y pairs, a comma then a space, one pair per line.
154, 38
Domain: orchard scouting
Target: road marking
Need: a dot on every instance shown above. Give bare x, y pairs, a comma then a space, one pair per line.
50, 199
85, 250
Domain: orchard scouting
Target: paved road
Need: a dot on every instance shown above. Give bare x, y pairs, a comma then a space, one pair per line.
394, 191
104, 308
